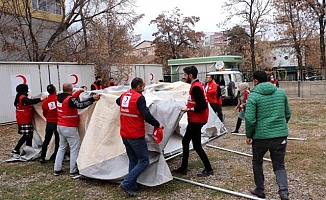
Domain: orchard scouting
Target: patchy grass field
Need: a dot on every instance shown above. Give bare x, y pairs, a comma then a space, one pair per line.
306, 166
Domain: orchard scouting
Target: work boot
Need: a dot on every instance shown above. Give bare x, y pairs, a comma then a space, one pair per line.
205, 173
129, 192
181, 171
260, 194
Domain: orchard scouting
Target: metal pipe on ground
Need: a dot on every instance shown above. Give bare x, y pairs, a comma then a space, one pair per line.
289, 138
229, 150
218, 189
180, 153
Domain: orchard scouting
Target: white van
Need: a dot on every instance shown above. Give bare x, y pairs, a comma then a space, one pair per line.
229, 82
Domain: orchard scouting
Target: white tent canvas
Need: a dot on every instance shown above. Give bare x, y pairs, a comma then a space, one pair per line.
102, 154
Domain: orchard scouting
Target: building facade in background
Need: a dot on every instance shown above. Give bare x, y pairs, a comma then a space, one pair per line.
19, 18
215, 40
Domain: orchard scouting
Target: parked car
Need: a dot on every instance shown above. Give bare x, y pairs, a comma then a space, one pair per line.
228, 81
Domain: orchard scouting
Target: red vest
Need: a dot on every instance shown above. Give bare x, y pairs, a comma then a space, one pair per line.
67, 116
96, 88
24, 113
193, 116
132, 124
211, 92
49, 107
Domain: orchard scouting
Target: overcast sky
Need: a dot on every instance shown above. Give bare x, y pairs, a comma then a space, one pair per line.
209, 11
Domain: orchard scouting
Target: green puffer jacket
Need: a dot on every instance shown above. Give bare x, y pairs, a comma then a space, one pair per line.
267, 112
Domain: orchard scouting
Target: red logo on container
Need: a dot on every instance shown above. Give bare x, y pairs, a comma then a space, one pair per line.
23, 78
76, 79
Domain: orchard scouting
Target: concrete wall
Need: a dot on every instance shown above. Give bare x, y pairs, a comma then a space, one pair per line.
303, 89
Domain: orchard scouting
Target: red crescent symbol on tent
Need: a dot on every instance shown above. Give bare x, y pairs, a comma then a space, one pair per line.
152, 76
127, 77
23, 78
76, 79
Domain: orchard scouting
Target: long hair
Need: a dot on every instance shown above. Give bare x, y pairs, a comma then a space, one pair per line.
21, 89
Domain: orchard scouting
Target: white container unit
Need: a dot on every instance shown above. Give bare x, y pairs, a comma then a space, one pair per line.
38, 75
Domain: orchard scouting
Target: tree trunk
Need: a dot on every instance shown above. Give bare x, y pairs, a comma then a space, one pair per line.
322, 45
252, 54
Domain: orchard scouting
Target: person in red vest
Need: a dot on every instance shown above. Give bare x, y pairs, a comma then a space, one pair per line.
97, 85
214, 97
68, 120
24, 116
241, 107
133, 114
274, 81
49, 107
111, 82
197, 110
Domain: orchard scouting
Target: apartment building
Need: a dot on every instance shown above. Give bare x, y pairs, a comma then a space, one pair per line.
214, 40
19, 18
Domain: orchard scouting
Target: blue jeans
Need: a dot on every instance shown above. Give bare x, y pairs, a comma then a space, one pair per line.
137, 152
277, 149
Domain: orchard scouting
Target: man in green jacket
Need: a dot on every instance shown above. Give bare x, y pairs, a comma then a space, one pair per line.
266, 116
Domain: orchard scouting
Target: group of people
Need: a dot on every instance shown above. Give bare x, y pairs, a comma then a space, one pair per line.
97, 85
265, 110
61, 114
266, 113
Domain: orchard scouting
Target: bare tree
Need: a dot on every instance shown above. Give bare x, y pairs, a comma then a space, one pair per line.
29, 20
295, 24
318, 7
253, 13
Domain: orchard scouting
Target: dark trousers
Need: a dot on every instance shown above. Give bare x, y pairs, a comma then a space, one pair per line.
193, 133
218, 110
51, 128
277, 149
28, 138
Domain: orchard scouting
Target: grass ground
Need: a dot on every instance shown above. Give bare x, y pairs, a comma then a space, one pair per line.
306, 166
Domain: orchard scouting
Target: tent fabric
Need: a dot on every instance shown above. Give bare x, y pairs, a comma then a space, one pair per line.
102, 154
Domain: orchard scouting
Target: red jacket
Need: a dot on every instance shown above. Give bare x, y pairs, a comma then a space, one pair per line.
68, 116
193, 116
211, 92
49, 107
24, 113
132, 124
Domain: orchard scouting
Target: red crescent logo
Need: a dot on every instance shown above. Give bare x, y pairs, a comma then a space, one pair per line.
152, 76
23, 78
127, 77
76, 79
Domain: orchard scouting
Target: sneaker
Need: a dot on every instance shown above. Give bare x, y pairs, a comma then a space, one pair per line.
127, 191
235, 131
258, 194
75, 173
15, 152
57, 173
206, 173
180, 171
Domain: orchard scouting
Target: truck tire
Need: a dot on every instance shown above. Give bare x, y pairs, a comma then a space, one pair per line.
231, 89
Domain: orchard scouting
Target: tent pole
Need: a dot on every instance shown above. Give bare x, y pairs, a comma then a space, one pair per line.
229, 150
289, 138
218, 189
